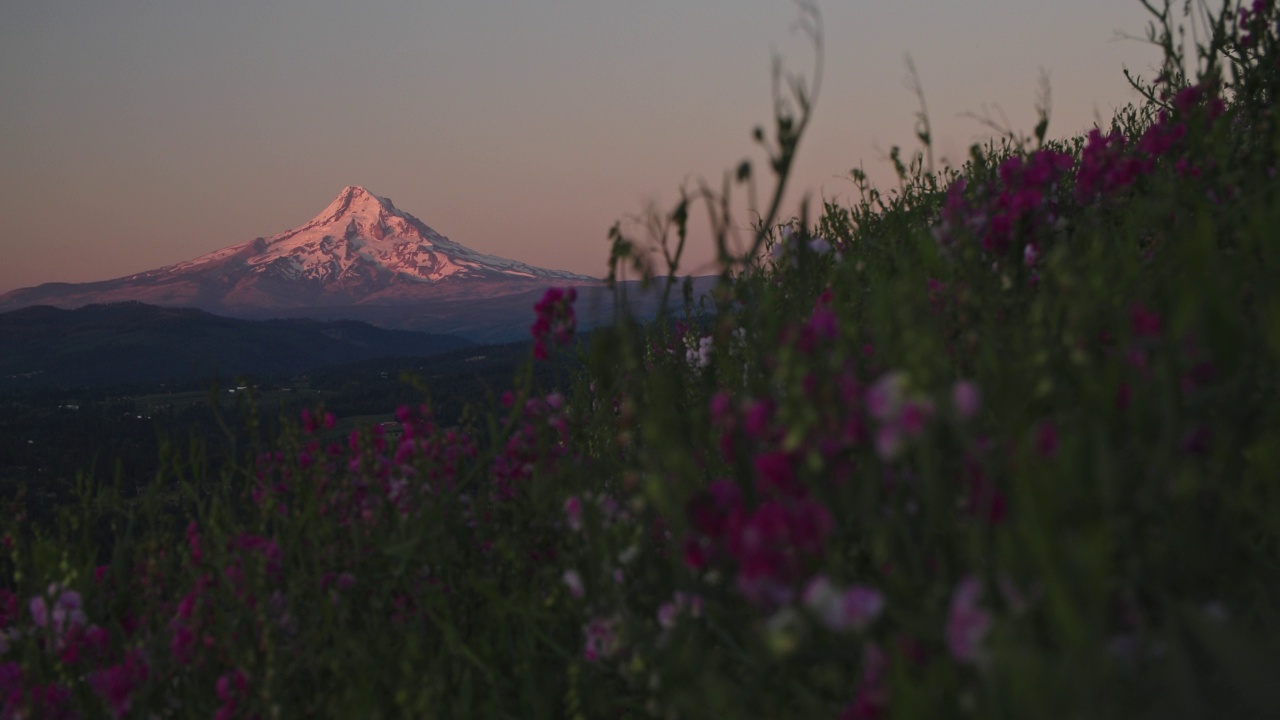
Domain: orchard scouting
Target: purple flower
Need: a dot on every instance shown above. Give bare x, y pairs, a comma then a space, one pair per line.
860, 606
840, 608
967, 399
601, 639
888, 441
967, 623
884, 398
39, 611
667, 615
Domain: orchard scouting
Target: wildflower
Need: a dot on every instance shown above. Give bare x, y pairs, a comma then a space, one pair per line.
573, 512
758, 418
667, 615
231, 688
966, 398
115, 684
888, 441
872, 699
967, 622
573, 581
774, 475
699, 355
1144, 322
555, 320
842, 608
601, 639
39, 611
884, 398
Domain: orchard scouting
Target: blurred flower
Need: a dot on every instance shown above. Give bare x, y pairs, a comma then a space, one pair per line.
573, 581
966, 398
842, 608
967, 622
573, 512
601, 639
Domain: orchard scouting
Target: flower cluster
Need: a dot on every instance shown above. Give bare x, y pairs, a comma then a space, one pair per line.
1252, 21
556, 321
840, 608
1026, 200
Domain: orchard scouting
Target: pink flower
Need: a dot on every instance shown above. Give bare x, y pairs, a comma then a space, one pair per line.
601, 639
39, 611
667, 615
555, 320
888, 441
885, 397
860, 606
967, 623
573, 581
853, 608
966, 398
573, 512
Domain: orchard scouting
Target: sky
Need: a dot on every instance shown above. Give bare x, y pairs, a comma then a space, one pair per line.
139, 133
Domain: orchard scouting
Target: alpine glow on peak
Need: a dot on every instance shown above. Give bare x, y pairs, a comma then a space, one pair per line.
360, 251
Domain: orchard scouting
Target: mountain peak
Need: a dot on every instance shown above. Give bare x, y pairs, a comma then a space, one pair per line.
356, 201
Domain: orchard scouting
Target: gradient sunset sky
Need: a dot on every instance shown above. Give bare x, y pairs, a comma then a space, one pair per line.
139, 133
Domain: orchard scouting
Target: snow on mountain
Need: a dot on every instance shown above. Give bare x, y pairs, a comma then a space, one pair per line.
361, 233
361, 258
361, 250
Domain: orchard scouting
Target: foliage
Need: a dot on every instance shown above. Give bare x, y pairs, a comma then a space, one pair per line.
1000, 443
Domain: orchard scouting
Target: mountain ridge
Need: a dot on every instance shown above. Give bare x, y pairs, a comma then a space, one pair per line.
132, 342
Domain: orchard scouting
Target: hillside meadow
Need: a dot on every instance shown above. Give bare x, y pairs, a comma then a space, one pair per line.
1001, 442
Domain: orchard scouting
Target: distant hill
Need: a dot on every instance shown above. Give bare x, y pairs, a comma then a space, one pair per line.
131, 342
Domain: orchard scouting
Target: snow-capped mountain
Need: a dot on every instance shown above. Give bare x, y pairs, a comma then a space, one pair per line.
361, 252
362, 241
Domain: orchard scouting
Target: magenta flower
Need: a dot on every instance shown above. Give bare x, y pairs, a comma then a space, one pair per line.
232, 688
775, 476
573, 512
115, 684
758, 418
555, 320
601, 639
1145, 323
872, 699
